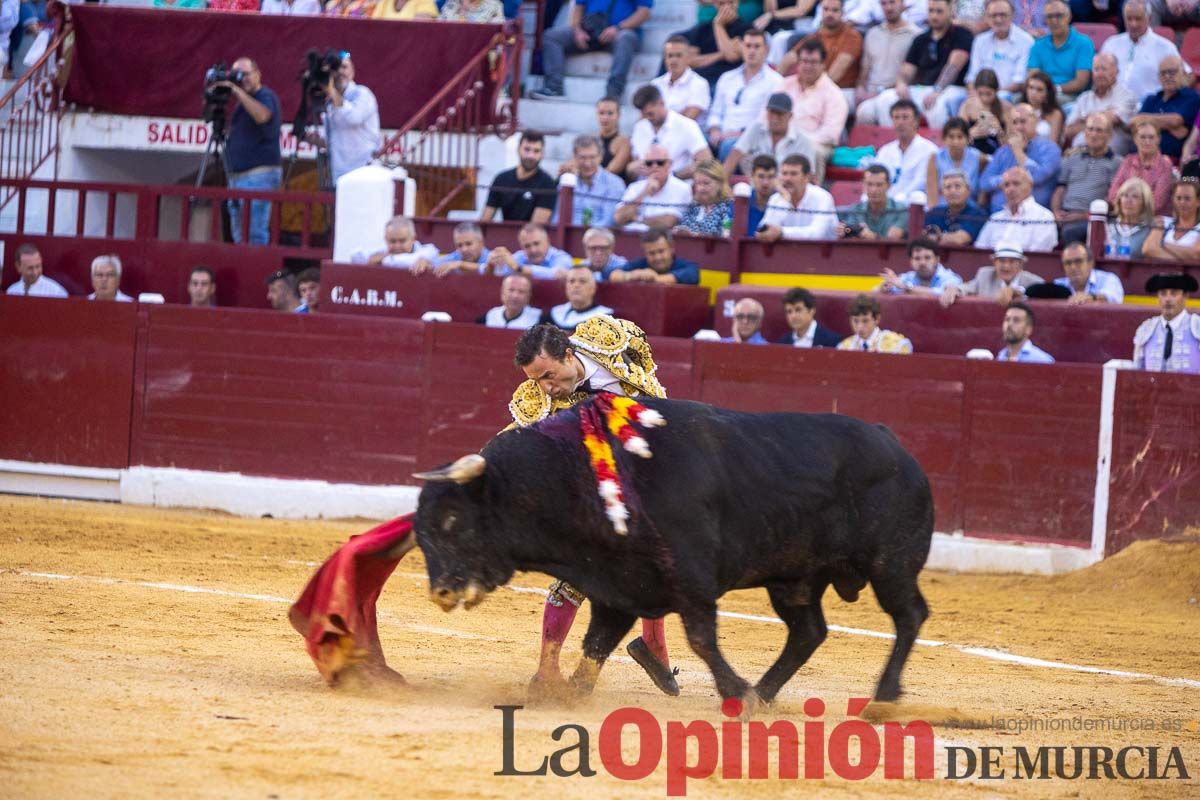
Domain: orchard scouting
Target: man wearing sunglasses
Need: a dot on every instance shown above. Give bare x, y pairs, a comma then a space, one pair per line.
657, 200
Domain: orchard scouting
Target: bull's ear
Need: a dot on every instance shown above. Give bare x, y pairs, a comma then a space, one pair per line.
465, 470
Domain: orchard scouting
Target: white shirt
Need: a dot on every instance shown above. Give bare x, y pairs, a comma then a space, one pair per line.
814, 218
429, 252
528, 317
352, 131
568, 318
1138, 61
690, 90
908, 168
737, 103
600, 379
300, 8
679, 134
1041, 235
809, 335
1006, 57
42, 287
1099, 282
672, 198
120, 298
1118, 99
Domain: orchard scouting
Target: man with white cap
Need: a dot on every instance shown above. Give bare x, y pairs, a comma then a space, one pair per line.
1005, 280
1017, 329
1169, 342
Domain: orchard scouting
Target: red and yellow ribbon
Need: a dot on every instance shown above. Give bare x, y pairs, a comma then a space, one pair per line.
617, 414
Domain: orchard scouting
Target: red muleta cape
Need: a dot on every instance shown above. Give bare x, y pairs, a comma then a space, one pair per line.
336, 611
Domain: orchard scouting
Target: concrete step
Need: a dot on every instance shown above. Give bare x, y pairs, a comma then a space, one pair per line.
567, 116
584, 90
597, 65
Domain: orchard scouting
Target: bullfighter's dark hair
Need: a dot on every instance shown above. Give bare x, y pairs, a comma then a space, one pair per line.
533, 341
800, 295
864, 304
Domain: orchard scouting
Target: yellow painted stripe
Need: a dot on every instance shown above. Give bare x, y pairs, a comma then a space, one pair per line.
846, 283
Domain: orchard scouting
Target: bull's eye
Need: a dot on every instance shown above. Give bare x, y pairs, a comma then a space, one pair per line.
449, 522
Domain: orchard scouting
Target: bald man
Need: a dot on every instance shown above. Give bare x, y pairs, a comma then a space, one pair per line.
747, 322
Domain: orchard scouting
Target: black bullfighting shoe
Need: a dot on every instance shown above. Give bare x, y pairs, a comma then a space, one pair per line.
663, 677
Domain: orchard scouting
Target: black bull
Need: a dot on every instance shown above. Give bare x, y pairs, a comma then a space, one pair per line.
793, 503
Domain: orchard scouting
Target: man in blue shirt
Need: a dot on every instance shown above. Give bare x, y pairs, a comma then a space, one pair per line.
252, 156
1174, 108
958, 220
597, 191
1064, 53
1086, 283
595, 25
658, 263
1016, 330
1038, 155
537, 258
927, 277
762, 178
747, 322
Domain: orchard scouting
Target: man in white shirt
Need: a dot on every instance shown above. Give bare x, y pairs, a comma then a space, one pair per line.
351, 122
291, 8
680, 135
1107, 97
741, 94
682, 89
1003, 48
907, 158
800, 209
1021, 221
401, 248
106, 280
581, 302
657, 200
1139, 51
33, 283
514, 310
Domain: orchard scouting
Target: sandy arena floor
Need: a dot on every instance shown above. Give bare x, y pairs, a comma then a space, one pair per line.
165, 667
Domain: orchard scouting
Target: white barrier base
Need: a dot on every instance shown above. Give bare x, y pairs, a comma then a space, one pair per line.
958, 553
252, 496
244, 495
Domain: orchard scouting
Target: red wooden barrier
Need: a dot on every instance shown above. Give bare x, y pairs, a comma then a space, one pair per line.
1089, 334
1155, 457
65, 381
382, 291
278, 394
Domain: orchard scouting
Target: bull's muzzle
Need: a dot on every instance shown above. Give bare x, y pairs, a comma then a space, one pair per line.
450, 599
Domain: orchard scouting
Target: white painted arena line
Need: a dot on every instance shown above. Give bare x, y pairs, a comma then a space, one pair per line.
981, 652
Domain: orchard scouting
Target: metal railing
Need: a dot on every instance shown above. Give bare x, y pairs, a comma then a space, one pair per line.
29, 117
86, 209
439, 146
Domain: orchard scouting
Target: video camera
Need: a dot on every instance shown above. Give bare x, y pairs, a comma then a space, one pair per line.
318, 71
216, 97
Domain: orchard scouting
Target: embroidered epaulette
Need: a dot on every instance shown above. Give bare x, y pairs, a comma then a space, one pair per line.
530, 404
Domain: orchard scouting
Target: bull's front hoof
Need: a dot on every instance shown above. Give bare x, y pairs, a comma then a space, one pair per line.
661, 674
548, 690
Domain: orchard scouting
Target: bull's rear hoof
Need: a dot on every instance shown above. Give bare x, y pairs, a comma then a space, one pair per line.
663, 676
548, 690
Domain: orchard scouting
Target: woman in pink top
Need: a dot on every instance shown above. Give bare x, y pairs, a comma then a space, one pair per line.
1147, 163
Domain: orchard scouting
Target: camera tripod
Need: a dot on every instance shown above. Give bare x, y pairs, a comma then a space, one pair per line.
215, 149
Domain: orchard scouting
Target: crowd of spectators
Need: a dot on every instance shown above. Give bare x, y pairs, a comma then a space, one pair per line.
1008, 121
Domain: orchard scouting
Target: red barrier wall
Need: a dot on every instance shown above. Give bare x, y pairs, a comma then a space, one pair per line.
1010, 449
121, 57
1154, 489
1088, 334
232, 390
66, 378
660, 310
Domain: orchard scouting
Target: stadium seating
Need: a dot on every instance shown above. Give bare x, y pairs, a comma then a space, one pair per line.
1098, 32
845, 193
1190, 49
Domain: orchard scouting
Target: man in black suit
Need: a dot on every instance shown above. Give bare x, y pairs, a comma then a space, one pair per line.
801, 309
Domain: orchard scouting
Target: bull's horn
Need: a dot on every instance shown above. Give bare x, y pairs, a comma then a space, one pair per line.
465, 470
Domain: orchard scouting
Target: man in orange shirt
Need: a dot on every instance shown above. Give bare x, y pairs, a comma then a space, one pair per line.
843, 48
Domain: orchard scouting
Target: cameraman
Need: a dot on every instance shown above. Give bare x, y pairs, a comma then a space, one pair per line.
351, 119
252, 157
